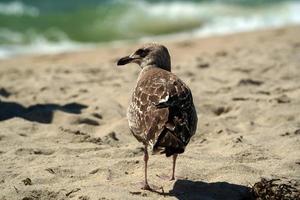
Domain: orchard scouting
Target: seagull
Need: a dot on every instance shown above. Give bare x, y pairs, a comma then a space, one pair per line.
161, 114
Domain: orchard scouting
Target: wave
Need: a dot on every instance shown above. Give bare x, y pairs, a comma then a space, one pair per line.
42, 47
18, 8
65, 27
39, 45
271, 17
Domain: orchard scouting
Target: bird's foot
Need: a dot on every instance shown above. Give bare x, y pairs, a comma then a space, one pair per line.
146, 186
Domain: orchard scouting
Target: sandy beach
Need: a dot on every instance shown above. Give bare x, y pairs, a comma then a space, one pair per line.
64, 132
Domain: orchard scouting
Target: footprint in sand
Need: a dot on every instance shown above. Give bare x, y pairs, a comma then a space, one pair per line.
248, 82
36, 151
81, 136
283, 99
62, 172
97, 115
221, 110
111, 139
216, 110
203, 65
84, 198
84, 120
43, 194
2, 137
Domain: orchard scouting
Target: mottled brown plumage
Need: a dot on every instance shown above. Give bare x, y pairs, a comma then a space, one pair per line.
161, 113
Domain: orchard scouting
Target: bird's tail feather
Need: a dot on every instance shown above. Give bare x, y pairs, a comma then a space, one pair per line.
168, 143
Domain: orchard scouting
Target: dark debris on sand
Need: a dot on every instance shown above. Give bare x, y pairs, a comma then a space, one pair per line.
27, 181
243, 82
270, 190
4, 92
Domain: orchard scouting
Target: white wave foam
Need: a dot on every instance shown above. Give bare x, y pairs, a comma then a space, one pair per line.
209, 18
271, 17
42, 46
220, 19
18, 8
11, 36
171, 10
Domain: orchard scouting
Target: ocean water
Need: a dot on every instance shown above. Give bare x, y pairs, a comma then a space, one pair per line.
52, 26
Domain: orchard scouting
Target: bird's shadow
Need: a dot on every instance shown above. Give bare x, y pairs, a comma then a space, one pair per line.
190, 190
42, 113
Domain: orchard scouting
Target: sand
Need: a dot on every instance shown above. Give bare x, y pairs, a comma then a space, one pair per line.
64, 133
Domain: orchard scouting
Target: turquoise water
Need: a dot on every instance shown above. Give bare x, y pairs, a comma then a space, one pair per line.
31, 26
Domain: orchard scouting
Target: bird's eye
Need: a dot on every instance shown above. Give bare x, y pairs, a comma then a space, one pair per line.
142, 52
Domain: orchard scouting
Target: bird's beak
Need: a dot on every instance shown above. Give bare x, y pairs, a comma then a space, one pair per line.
133, 58
125, 60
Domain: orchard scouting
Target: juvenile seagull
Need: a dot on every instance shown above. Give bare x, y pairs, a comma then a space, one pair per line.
161, 113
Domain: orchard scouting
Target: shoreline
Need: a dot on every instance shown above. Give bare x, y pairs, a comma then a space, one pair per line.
63, 120
170, 38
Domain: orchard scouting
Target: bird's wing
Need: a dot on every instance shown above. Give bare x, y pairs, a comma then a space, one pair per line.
163, 89
173, 111
176, 93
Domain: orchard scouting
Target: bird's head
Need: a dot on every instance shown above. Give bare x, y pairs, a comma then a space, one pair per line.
149, 55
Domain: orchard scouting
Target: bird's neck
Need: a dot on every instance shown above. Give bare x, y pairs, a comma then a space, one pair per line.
155, 67
148, 67
145, 70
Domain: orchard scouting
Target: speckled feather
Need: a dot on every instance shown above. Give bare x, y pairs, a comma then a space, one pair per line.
161, 112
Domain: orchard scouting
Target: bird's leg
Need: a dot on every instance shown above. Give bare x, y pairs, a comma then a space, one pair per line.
146, 158
174, 164
167, 177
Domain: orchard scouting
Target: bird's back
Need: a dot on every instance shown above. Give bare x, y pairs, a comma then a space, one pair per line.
161, 112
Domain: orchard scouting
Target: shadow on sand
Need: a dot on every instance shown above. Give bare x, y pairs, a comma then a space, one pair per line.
190, 190
42, 113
